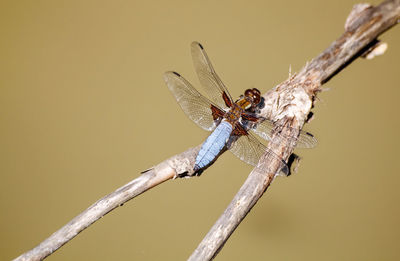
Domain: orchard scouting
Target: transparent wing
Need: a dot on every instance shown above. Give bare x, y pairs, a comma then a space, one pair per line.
305, 139
249, 149
195, 105
208, 77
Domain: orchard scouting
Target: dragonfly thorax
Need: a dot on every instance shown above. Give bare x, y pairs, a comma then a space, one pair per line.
244, 102
234, 114
247, 102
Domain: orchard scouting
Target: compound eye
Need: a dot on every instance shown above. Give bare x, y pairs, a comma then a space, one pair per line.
256, 98
248, 93
255, 90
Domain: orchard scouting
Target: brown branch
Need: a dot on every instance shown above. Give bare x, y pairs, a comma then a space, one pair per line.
289, 103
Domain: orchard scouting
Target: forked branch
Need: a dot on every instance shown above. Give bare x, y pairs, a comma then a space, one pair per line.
289, 103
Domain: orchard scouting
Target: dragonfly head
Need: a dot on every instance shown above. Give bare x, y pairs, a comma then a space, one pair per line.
249, 100
253, 96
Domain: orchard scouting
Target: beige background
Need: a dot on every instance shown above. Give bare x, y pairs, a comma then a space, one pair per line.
84, 109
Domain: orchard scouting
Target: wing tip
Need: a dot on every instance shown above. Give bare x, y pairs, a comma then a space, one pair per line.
306, 140
313, 140
177, 74
172, 72
195, 44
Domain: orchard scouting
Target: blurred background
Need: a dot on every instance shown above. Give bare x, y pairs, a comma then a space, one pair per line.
84, 109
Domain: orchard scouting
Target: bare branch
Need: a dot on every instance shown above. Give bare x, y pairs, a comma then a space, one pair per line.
164, 171
289, 103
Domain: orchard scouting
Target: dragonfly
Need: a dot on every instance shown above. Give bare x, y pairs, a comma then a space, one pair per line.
232, 122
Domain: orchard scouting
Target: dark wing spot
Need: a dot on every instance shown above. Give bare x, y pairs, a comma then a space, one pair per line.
249, 117
309, 134
216, 112
201, 46
239, 131
227, 101
177, 74
147, 170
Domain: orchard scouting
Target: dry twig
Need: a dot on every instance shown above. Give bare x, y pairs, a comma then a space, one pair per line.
289, 103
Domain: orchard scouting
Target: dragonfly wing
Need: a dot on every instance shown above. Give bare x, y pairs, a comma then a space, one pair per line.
209, 79
196, 106
249, 149
305, 139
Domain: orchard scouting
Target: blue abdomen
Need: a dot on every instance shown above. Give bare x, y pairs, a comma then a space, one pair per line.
213, 145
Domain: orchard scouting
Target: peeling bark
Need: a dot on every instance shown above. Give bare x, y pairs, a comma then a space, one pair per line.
289, 104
